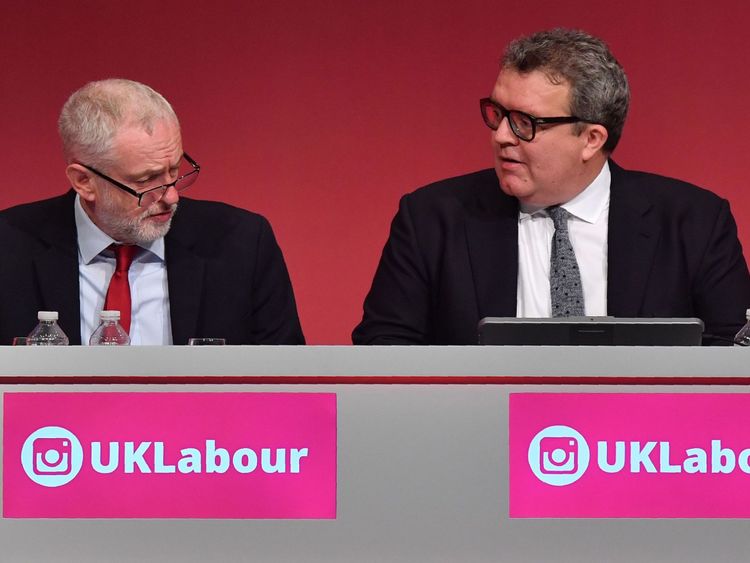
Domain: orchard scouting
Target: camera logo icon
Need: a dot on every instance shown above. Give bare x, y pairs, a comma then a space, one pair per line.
52, 456
558, 455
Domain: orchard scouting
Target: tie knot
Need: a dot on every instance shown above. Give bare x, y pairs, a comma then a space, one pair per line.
559, 217
124, 254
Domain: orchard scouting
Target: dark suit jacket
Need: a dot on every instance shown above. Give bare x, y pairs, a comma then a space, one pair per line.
452, 259
226, 274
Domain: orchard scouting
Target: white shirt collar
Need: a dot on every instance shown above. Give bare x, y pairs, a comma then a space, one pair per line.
590, 203
92, 241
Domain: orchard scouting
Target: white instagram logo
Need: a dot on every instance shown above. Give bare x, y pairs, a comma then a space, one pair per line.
558, 455
52, 456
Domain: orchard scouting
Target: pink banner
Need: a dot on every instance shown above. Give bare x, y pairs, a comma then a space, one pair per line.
668, 455
169, 455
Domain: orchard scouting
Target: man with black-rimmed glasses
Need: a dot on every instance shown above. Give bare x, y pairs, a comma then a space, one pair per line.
187, 268
557, 228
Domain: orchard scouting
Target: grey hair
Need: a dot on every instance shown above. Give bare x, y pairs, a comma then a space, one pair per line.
93, 114
599, 90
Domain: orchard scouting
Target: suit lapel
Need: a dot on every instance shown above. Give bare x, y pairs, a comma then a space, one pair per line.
492, 240
185, 274
56, 267
632, 241
57, 275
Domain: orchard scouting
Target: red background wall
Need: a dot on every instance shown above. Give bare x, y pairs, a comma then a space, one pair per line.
320, 114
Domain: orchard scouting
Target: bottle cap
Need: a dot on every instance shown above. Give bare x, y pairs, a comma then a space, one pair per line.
47, 315
109, 315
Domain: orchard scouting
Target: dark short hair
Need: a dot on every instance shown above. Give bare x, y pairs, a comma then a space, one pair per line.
599, 90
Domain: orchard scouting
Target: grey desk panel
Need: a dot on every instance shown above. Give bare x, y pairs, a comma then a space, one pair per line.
378, 360
422, 469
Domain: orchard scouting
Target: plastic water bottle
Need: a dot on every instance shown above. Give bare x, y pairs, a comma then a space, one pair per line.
743, 336
47, 332
110, 331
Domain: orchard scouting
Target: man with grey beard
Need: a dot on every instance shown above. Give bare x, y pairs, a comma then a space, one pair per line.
195, 268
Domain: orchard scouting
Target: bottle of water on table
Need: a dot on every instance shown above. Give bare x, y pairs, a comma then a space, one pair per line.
47, 332
110, 331
743, 336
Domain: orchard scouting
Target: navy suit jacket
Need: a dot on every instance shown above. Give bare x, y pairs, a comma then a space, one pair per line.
452, 259
225, 271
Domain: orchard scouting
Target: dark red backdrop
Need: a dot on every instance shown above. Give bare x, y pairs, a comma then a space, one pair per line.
320, 114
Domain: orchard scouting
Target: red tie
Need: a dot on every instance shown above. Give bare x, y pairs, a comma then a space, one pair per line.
118, 293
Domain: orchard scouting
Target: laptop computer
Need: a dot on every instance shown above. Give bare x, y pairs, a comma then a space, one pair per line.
590, 331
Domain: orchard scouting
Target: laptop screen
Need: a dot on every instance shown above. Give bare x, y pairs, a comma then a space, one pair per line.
590, 331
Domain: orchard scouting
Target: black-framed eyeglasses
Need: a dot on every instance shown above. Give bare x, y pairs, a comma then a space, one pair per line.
522, 124
151, 195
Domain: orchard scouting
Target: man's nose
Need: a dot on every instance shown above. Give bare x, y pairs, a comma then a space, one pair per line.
171, 196
504, 135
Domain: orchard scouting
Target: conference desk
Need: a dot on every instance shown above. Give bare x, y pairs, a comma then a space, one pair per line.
422, 452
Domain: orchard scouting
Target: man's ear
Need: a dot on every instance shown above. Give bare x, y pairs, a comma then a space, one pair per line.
82, 181
595, 136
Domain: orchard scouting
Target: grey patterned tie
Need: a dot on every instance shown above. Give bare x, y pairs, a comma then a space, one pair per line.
564, 275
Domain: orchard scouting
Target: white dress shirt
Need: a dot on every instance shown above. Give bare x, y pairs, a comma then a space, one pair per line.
587, 227
149, 293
